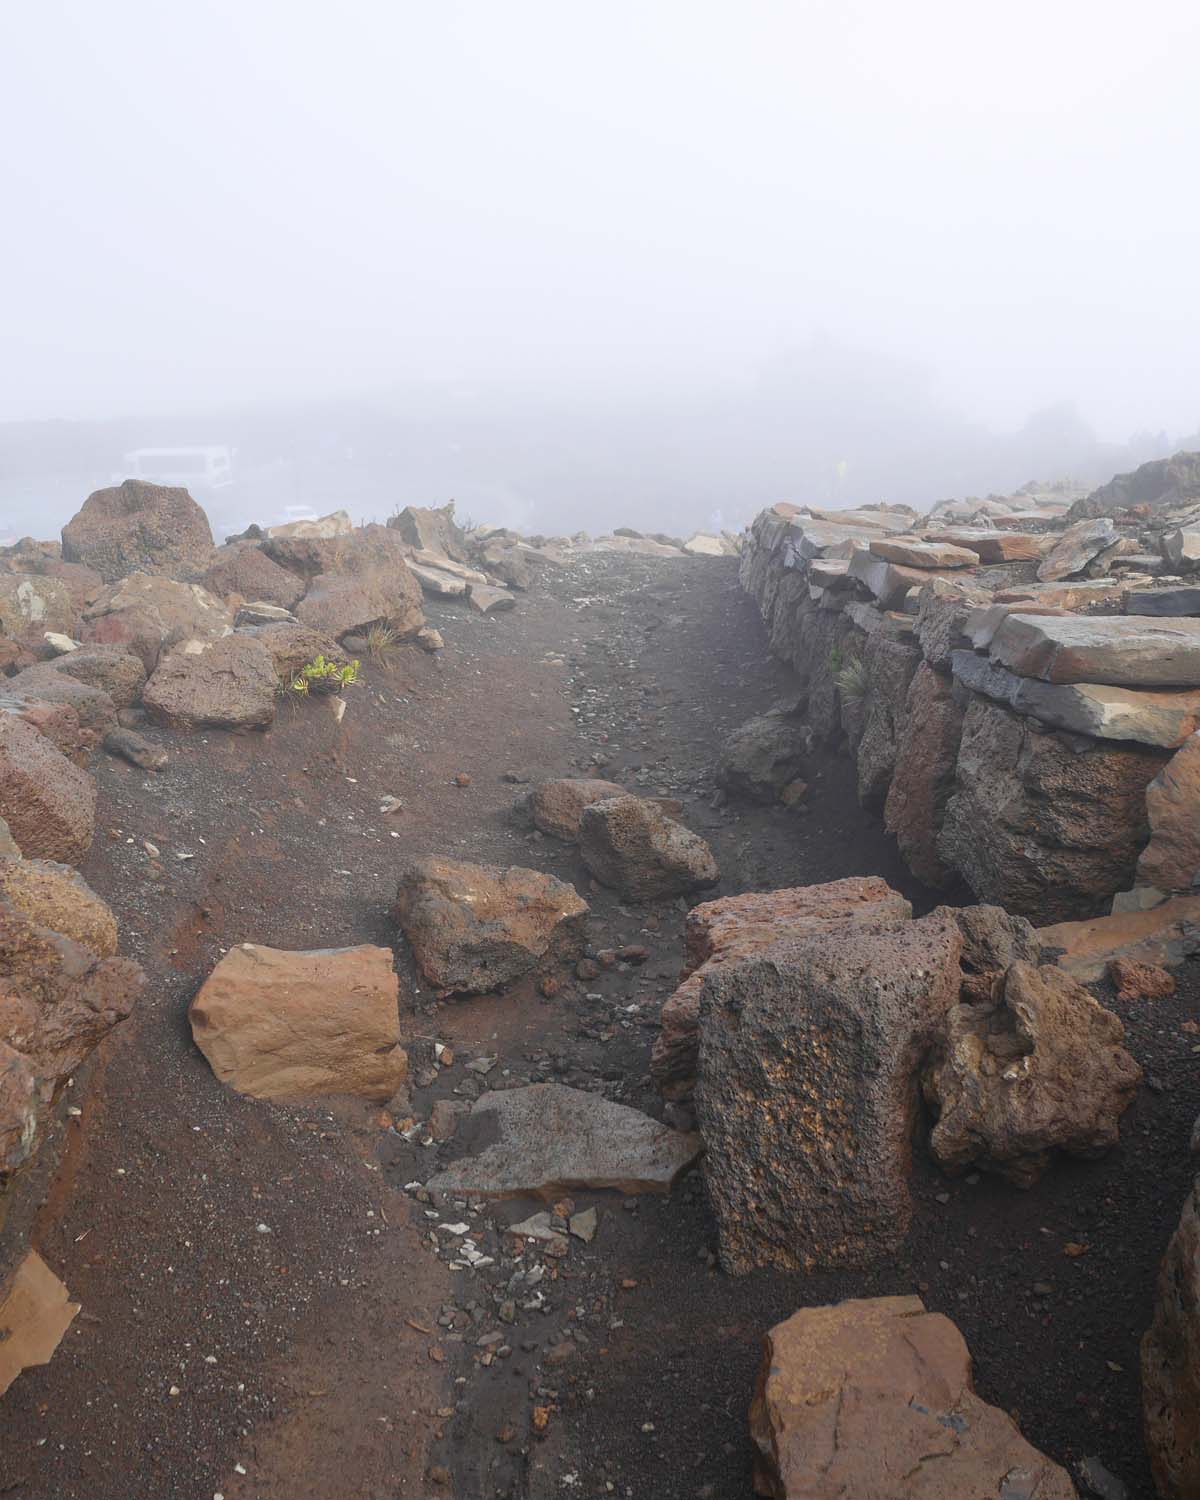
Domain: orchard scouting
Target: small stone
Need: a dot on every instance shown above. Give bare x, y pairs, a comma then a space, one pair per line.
583, 1225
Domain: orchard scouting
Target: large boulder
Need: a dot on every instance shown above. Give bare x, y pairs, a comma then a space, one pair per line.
1171, 859
832, 1029
1045, 825
47, 802
889, 667
555, 807
135, 526
297, 1025
432, 529
546, 1140
1160, 484
227, 684
243, 570
764, 755
735, 926
354, 581
630, 844
336, 523
91, 713
1040, 1068
109, 669
31, 606
292, 646
149, 616
872, 1399
58, 897
1171, 1362
476, 927
923, 774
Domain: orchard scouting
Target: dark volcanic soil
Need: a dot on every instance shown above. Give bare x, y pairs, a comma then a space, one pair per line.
264, 1313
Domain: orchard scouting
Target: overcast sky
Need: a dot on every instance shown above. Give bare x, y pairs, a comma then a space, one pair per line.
265, 198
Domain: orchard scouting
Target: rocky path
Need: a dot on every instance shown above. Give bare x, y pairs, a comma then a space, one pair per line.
271, 1310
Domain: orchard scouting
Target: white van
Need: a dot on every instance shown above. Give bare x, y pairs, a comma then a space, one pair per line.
200, 468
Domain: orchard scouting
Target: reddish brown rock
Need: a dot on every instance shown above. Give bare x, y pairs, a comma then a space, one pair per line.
30, 606
1171, 859
1171, 1363
735, 926
48, 803
476, 927
924, 776
228, 684
59, 722
629, 843
294, 646
243, 570
297, 1025
150, 528
353, 581
20, 1109
57, 998
109, 669
555, 806
1039, 1069
1136, 981
1165, 935
832, 1029
873, 1400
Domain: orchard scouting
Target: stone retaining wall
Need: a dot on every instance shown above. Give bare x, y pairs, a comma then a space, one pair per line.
1006, 713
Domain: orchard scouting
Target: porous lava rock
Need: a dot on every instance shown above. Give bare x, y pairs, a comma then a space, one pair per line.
48, 803
872, 1399
243, 570
1039, 1069
278, 1024
923, 774
31, 606
149, 616
476, 927
630, 844
57, 896
764, 755
734, 926
136, 526
1171, 1362
831, 1029
227, 684
555, 807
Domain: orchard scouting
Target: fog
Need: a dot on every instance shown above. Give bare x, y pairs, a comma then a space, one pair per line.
591, 265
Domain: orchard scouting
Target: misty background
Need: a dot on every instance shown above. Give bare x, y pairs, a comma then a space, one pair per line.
574, 266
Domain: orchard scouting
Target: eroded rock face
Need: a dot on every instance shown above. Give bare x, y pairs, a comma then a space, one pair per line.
765, 755
296, 1025
109, 669
1039, 1069
546, 1139
476, 927
873, 1400
1076, 547
30, 606
1171, 1363
48, 803
138, 526
890, 667
58, 897
1040, 824
149, 616
555, 807
431, 528
631, 845
20, 1110
832, 1029
735, 926
294, 646
922, 781
1171, 859
227, 684
1131, 651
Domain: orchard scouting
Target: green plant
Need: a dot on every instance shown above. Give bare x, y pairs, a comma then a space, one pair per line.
323, 676
852, 679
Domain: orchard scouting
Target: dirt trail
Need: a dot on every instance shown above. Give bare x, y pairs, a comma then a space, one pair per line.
266, 1262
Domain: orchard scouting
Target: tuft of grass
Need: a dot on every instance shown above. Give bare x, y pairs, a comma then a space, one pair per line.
381, 639
852, 679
